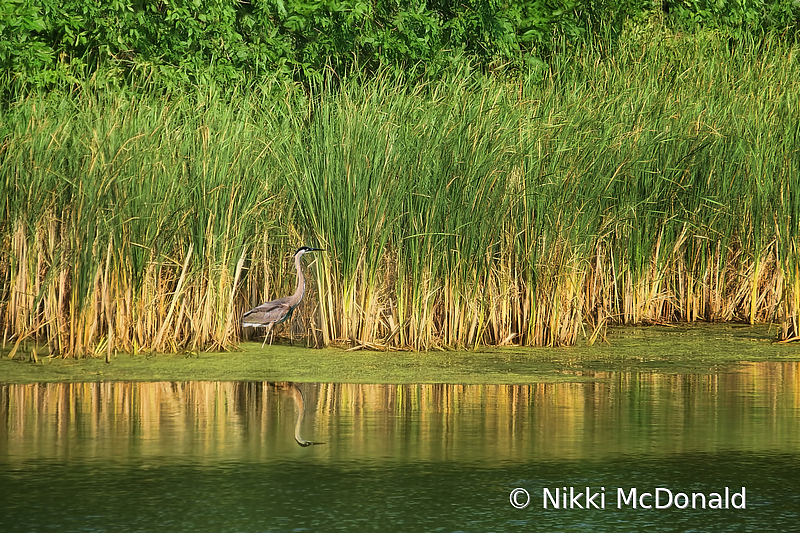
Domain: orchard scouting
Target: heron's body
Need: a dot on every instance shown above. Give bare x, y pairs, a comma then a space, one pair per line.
268, 314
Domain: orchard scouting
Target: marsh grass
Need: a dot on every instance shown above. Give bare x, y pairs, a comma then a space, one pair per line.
652, 184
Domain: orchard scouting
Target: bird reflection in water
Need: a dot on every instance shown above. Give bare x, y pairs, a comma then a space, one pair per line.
293, 391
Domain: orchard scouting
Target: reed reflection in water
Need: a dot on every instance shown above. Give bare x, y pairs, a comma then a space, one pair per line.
201, 456
205, 421
752, 408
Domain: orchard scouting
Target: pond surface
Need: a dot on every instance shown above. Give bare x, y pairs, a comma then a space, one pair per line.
224, 456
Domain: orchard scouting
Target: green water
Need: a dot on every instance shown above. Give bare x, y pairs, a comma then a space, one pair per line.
221, 456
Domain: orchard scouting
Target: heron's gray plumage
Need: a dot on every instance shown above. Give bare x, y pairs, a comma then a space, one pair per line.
274, 312
268, 314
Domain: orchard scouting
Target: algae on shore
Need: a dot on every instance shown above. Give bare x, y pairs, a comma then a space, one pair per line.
685, 349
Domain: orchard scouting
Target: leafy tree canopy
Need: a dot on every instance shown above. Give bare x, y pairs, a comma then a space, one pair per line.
49, 42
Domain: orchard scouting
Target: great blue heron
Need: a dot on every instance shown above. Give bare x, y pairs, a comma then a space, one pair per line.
268, 314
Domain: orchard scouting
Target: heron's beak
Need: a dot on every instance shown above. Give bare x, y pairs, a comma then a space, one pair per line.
307, 443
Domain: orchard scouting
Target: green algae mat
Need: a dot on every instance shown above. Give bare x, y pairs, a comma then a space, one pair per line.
680, 350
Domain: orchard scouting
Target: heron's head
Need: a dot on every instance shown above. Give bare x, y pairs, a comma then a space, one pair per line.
306, 249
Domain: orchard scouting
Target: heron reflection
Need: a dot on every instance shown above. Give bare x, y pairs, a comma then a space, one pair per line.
294, 392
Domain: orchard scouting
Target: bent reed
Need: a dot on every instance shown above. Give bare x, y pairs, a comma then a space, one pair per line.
658, 182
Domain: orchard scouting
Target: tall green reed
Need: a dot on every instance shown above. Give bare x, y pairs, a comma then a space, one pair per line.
650, 184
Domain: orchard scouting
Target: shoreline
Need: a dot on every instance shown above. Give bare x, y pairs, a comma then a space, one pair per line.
682, 349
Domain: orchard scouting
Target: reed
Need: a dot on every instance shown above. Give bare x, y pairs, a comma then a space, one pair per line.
653, 183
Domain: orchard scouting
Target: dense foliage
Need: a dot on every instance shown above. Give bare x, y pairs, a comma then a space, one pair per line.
471, 210
177, 41
482, 172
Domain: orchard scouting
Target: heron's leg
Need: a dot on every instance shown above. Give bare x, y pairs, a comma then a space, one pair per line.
266, 335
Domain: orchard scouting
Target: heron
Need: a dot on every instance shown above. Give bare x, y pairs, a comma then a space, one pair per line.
269, 314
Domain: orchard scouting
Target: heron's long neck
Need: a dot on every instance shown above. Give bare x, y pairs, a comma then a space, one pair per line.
301, 281
300, 405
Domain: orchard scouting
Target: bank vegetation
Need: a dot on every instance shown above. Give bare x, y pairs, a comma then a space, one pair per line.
655, 182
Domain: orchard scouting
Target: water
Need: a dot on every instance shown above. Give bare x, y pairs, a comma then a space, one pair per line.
200, 456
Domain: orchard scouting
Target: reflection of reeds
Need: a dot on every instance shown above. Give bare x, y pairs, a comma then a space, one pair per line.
654, 184
141, 419
625, 413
